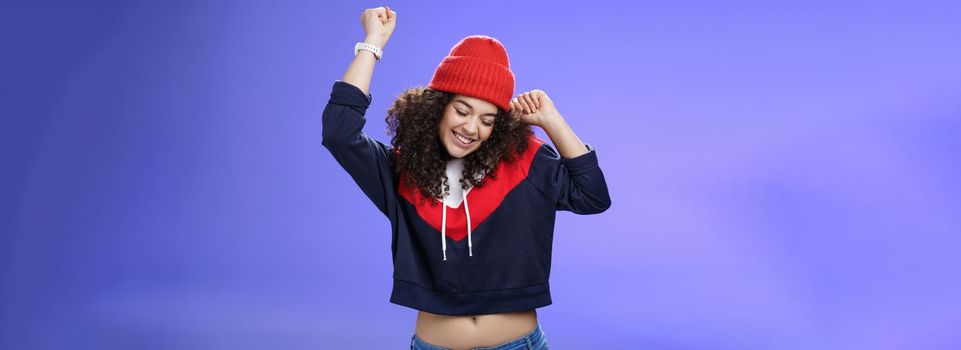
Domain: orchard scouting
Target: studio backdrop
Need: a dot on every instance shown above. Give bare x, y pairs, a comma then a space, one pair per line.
783, 175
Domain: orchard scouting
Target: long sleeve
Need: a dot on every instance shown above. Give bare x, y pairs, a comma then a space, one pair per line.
575, 184
367, 160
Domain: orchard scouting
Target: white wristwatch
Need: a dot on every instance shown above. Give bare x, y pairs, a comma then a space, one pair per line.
378, 53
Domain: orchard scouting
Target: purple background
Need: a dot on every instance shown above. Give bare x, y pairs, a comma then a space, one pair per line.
783, 176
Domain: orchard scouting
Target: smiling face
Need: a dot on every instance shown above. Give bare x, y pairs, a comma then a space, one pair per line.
467, 123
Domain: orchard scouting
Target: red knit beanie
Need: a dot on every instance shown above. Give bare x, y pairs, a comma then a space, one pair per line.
477, 66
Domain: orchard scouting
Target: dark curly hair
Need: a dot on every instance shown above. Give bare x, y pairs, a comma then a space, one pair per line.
413, 120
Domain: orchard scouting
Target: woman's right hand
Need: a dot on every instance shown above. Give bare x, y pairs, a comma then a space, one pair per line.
379, 24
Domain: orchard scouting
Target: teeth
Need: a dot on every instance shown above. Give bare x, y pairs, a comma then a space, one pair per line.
463, 139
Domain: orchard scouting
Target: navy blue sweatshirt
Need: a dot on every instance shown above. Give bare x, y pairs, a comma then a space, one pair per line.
504, 263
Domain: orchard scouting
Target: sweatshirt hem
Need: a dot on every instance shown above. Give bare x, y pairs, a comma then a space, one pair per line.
411, 295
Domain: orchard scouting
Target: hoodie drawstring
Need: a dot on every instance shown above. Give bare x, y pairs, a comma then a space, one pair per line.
443, 228
470, 247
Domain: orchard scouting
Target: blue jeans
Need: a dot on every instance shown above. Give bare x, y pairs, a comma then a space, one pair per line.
534, 340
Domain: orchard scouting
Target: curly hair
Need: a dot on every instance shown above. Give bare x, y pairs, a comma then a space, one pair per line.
413, 120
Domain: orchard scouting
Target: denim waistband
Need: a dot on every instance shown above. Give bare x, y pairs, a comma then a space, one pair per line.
533, 340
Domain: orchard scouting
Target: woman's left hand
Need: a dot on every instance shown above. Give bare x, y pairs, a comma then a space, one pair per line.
534, 107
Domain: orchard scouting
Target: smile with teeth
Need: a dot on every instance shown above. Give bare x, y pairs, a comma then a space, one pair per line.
462, 138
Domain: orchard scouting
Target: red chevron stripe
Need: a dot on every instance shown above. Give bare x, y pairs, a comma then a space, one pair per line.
482, 200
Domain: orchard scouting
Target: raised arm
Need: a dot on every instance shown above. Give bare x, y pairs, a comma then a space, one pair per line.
367, 160
379, 24
572, 179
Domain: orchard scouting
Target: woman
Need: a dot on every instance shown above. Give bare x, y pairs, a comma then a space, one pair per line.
464, 173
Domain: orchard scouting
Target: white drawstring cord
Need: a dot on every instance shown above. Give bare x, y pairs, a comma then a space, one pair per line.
443, 230
467, 209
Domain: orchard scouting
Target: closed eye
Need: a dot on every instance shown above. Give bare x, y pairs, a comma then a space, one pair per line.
463, 114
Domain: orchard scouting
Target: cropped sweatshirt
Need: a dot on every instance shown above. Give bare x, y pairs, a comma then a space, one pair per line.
489, 254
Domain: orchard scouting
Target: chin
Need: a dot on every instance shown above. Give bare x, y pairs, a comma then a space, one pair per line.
457, 152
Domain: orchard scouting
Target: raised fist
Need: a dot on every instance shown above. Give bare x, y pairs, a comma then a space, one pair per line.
533, 107
379, 23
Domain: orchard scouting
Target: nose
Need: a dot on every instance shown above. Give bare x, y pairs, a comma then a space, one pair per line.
471, 127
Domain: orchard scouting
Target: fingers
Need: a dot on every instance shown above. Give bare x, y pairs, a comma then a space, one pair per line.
372, 12
385, 14
530, 102
518, 105
391, 14
521, 104
382, 13
536, 95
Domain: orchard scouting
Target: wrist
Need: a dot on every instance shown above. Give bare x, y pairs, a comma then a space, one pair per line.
375, 40
368, 53
364, 46
552, 122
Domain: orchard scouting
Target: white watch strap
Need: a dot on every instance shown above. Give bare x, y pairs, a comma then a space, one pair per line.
378, 53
